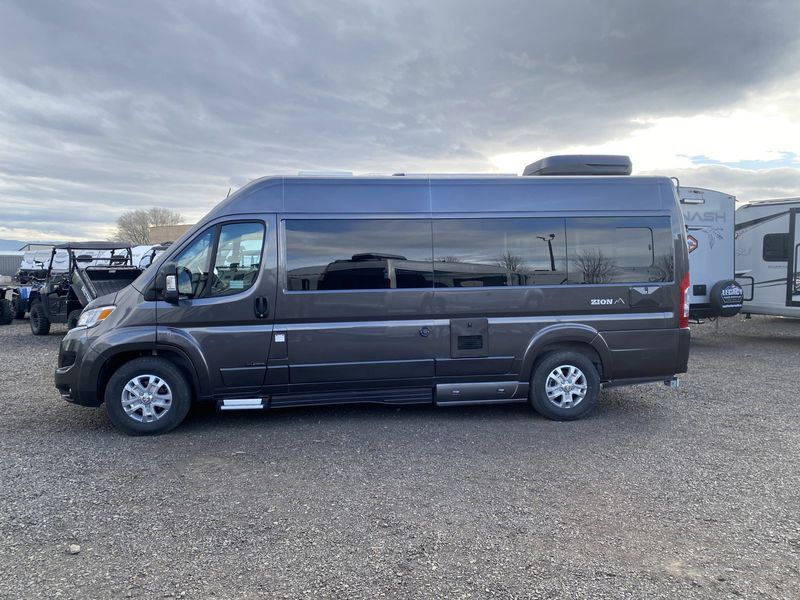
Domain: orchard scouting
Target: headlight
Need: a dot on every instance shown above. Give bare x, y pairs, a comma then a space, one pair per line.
94, 316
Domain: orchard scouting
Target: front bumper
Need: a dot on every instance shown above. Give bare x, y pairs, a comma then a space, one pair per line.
73, 377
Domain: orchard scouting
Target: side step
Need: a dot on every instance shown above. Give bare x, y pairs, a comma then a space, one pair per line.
241, 404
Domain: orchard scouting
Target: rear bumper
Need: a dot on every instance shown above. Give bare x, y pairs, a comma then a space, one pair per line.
656, 354
72, 377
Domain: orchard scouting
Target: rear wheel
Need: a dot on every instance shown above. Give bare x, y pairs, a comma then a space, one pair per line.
147, 396
72, 319
6, 316
565, 386
40, 324
17, 307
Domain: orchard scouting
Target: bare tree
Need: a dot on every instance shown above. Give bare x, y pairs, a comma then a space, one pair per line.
134, 226
596, 267
663, 269
511, 262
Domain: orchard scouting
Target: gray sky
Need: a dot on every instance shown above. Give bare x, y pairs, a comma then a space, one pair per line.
110, 106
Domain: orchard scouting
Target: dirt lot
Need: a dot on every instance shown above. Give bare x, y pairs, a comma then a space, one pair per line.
660, 493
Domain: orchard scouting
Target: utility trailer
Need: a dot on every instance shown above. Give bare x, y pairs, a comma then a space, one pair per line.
768, 256
709, 216
93, 269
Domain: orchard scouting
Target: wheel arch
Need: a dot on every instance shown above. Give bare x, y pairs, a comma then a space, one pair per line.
574, 337
112, 360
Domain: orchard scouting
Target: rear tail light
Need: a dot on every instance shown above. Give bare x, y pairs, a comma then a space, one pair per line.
683, 322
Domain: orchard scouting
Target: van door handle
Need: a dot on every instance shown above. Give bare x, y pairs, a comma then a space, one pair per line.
261, 306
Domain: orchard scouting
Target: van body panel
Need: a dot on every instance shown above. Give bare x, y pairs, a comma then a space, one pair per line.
360, 350
634, 352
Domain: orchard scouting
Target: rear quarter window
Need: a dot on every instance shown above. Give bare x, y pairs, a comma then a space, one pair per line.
619, 250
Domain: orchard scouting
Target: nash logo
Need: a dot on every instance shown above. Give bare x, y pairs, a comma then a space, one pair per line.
605, 301
691, 241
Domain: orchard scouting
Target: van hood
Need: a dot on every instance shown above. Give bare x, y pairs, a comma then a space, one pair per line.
103, 300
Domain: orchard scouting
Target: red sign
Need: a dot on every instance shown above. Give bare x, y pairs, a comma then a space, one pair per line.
691, 241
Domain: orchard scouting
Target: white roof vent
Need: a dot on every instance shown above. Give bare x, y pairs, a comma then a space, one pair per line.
581, 164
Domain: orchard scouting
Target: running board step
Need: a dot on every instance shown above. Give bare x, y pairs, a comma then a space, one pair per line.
240, 404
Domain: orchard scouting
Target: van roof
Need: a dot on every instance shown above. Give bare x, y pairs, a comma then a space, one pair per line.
417, 195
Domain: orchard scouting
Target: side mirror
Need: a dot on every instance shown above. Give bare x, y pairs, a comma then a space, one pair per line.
167, 282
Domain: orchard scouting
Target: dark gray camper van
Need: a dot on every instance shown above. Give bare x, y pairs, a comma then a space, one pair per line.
300, 291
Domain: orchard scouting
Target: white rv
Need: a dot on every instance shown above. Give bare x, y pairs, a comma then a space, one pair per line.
709, 216
768, 256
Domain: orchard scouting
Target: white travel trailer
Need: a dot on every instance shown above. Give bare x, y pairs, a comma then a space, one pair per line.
709, 216
768, 256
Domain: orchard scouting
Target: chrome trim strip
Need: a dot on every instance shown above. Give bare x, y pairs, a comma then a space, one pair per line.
361, 324
582, 318
492, 321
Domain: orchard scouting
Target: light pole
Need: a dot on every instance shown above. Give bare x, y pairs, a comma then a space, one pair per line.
549, 241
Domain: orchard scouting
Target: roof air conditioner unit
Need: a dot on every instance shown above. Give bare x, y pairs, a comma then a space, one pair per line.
581, 164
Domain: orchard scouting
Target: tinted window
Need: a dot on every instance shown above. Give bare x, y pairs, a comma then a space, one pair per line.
357, 254
498, 252
619, 250
776, 247
193, 264
238, 258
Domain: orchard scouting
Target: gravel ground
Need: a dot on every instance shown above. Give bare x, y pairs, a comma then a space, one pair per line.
689, 493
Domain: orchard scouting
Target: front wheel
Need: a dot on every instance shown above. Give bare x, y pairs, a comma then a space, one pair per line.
147, 396
564, 386
72, 319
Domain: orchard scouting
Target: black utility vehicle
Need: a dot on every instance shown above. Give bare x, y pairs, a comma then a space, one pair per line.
64, 294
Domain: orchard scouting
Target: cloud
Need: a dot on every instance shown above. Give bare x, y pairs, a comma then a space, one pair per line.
107, 107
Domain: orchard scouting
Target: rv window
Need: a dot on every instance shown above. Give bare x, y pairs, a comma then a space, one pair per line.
238, 258
358, 254
776, 247
619, 250
498, 252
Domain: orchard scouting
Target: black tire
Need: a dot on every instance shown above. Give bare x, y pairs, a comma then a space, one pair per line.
589, 377
19, 311
72, 319
6, 315
162, 420
40, 324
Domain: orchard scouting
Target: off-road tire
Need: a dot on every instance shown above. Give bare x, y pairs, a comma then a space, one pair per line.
19, 313
40, 324
149, 365
72, 319
6, 315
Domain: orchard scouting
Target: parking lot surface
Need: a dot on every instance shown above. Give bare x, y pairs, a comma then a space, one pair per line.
688, 493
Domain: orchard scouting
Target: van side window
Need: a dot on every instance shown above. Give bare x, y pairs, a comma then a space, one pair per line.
499, 252
776, 247
358, 254
238, 258
193, 265
619, 250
